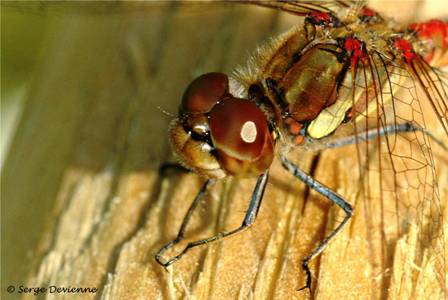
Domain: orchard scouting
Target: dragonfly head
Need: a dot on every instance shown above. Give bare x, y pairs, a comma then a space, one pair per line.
217, 134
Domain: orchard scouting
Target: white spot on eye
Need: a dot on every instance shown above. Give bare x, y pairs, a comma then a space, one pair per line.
249, 132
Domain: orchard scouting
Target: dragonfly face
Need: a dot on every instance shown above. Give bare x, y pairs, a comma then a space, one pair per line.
217, 134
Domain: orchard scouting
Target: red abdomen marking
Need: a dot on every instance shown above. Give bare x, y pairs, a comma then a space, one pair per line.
434, 33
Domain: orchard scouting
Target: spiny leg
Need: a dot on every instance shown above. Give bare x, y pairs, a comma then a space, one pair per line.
187, 217
329, 194
386, 130
249, 219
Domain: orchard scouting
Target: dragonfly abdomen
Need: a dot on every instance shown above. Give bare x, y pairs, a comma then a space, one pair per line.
433, 39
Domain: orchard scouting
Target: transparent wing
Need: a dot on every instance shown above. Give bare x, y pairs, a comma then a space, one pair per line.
400, 190
153, 9
434, 86
303, 7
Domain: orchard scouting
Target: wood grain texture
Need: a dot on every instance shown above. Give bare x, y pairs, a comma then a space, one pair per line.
98, 139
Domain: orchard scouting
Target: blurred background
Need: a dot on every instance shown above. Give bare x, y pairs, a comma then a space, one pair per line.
22, 40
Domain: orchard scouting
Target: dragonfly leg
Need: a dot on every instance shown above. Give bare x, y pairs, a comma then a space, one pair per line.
329, 194
386, 130
187, 217
249, 219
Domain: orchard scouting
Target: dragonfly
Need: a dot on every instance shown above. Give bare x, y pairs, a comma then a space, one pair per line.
346, 75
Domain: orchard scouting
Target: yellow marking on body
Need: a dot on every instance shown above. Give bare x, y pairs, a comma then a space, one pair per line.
331, 117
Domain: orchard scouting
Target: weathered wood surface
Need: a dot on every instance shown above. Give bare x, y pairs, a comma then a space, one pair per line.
88, 151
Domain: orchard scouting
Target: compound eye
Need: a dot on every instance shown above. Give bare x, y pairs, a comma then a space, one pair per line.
238, 127
204, 92
241, 135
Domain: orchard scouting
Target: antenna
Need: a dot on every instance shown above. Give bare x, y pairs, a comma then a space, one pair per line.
166, 112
